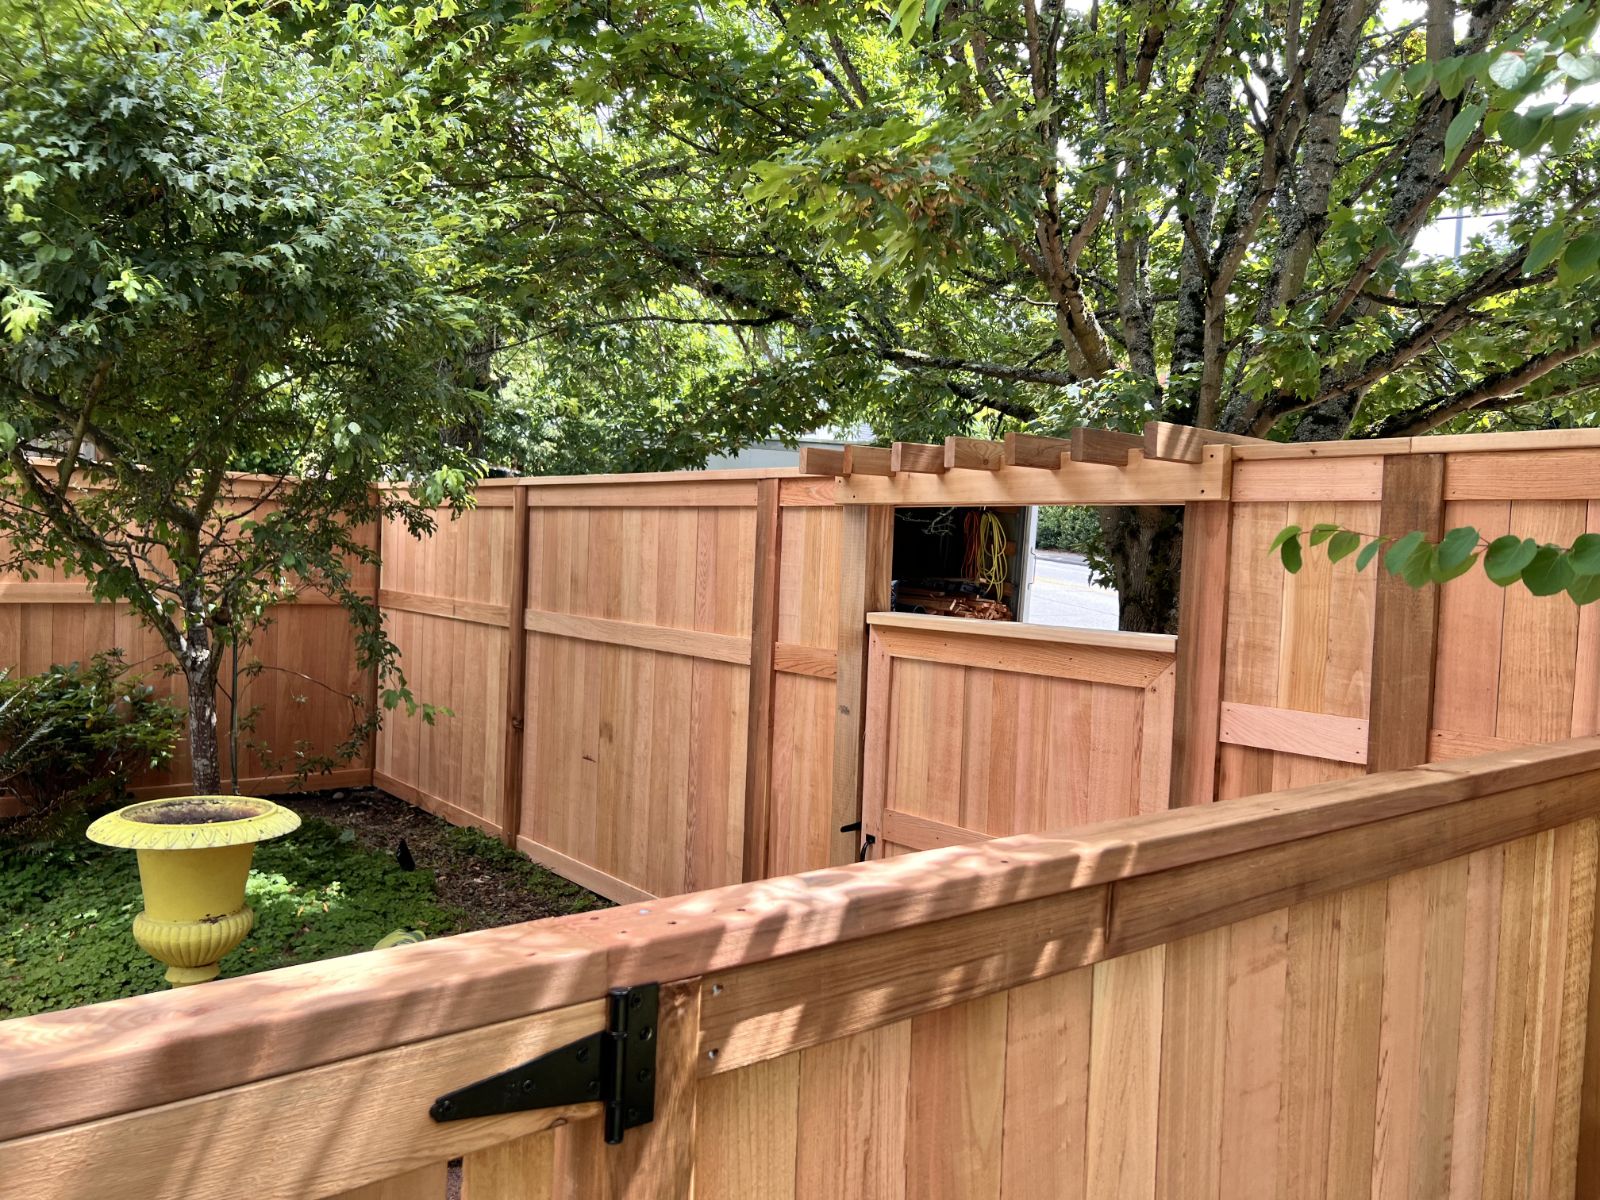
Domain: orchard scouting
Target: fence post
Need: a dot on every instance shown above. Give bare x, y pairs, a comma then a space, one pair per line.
377, 602
1202, 636
763, 638
516, 671
866, 547
1405, 625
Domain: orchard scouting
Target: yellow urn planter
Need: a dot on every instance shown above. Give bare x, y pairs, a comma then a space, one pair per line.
194, 857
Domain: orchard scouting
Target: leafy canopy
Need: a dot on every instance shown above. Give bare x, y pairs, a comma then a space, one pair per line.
204, 270
710, 221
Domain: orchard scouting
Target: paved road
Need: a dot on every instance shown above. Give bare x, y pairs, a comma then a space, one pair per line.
1063, 595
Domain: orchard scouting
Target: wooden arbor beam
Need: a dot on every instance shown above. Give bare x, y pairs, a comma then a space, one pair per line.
1041, 453
972, 454
1142, 481
918, 457
1186, 443
1104, 446
821, 460
867, 460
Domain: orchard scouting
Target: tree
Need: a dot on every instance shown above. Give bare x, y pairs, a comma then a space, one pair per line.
201, 274
945, 216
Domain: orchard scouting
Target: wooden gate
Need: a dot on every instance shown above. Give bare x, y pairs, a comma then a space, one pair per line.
979, 729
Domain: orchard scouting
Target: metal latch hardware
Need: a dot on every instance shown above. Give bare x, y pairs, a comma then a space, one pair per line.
616, 1066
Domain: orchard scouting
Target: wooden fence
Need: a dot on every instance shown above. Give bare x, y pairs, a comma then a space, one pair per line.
979, 729
1370, 988
1330, 673
641, 671
308, 650
688, 703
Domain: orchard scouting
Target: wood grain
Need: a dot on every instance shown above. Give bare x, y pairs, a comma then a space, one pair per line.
256, 1133
521, 1169
1406, 621
973, 454
1142, 481
1202, 636
1317, 735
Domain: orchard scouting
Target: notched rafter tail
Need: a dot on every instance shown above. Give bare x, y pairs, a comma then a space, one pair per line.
821, 460
1105, 446
973, 454
916, 457
1031, 450
867, 460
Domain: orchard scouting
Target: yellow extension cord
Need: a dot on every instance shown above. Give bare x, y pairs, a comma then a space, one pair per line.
986, 559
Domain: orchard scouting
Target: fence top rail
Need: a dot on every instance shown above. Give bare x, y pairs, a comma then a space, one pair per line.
733, 474
1105, 639
68, 1067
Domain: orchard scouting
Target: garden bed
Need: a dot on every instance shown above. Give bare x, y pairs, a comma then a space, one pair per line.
334, 886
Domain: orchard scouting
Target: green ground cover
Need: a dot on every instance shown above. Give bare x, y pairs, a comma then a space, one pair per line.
67, 906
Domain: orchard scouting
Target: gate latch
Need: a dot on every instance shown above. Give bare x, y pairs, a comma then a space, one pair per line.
616, 1066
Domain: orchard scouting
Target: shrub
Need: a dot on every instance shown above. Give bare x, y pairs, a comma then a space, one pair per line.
1070, 528
75, 735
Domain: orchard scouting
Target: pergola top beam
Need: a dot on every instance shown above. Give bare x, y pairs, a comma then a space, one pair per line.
1141, 481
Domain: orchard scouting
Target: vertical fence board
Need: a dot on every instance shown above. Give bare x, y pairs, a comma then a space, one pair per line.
1045, 1130
1125, 1076
523, 1169
746, 1132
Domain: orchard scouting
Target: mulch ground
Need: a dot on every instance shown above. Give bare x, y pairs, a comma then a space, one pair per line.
493, 885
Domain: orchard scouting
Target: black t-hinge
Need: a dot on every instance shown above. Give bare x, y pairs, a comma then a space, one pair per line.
616, 1066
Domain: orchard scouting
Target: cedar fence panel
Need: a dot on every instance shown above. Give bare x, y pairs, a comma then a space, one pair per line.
1329, 673
984, 729
446, 600
308, 650
663, 718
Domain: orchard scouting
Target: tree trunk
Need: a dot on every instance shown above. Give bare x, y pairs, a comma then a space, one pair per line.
1145, 548
200, 673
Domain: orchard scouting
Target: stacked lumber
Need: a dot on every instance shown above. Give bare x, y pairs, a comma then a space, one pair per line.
954, 601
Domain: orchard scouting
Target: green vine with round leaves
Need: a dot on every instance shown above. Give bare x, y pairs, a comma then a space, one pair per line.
1544, 568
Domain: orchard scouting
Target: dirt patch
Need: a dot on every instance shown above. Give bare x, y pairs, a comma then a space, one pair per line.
196, 812
491, 884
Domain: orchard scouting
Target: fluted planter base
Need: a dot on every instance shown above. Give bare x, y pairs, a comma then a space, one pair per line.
194, 859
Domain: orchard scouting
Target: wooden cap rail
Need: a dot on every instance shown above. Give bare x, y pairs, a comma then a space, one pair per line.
1119, 887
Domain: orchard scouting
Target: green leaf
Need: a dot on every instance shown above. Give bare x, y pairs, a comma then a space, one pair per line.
1370, 552
1584, 589
1284, 534
1510, 69
1448, 75
1579, 68
1289, 551
1342, 545
1388, 83
1465, 123
1579, 259
1507, 557
1519, 131
8, 437
906, 18
1443, 573
1544, 249
1548, 573
1457, 546
1418, 569
1585, 554
1400, 553
1321, 532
